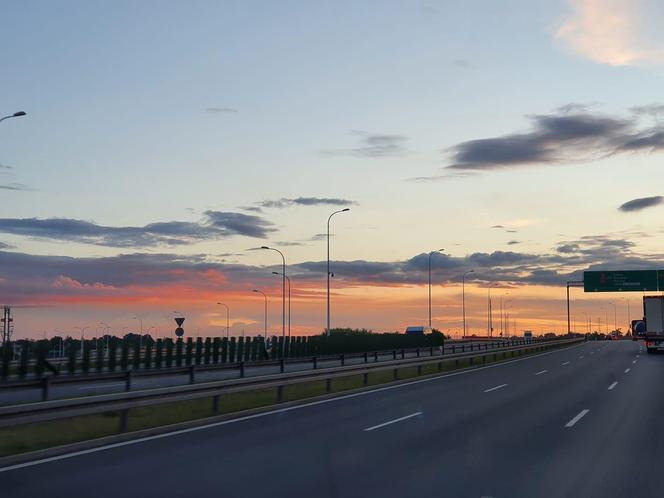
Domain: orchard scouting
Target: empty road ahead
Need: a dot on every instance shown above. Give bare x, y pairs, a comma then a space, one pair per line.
580, 422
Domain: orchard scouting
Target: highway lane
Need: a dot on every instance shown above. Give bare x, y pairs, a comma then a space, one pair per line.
89, 388
450, 436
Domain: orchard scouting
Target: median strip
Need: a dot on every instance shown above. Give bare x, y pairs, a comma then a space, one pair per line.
390, 422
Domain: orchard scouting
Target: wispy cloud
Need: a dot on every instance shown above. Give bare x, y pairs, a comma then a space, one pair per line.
641, 203
306, 201
215, 225
14, 186
613, 32
374, 145
221, 110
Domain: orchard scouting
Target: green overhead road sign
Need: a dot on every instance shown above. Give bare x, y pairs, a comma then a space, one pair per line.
623, 281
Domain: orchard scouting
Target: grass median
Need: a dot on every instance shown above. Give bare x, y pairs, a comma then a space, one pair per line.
32, 437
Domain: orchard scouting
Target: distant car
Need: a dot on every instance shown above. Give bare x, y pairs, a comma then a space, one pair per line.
528, 335
418, 330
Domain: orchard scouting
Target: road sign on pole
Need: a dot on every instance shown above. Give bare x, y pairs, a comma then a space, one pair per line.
623, 281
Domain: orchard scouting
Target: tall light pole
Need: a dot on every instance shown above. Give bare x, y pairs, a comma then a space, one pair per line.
228, 313
82, 329
430, 253
283, 291
15, 115
615, 317
463, 298
140, 337
629, 315
289, 306
328, 266
265, 314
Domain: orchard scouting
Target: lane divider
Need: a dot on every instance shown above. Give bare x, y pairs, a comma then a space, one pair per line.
390, 422
542, 372
613, 385
578, 417
495, 388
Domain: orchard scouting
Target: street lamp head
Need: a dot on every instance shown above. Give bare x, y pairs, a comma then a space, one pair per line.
276, 273
264, 247
18, 114
345, 209
255, 290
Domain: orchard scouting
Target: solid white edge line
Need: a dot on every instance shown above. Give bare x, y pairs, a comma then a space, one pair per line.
494, 388
578, 417
615, 383
390, 422
267, 413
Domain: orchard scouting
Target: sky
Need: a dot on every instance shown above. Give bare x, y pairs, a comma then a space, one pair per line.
165, 142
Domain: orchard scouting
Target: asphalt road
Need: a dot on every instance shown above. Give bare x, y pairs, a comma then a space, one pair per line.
16, 395
578, 422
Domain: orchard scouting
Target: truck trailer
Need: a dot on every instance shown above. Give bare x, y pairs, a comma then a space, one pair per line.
653, 318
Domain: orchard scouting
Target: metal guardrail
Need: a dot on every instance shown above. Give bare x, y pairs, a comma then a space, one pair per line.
457, 346
127, 376
122, 402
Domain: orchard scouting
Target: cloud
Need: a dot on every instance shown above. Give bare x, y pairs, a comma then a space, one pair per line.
14, 186
221, 110
215, 225
614, 32
307, 201
4, 245
240, 224
654, 110
497, 226
374, 145
557, 138
513, 242
641, 203
254, 209
33, 279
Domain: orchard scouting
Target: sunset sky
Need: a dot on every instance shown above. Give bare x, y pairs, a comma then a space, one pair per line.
166, 141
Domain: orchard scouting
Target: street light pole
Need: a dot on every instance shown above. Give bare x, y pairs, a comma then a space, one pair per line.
82, 329
463, 298
140, 337
265, 314
289, 306
283, 291
430, 253
15, 115
615, 317
328, 266
228, 312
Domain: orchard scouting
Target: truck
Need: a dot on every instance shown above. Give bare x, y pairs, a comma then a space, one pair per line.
653, 318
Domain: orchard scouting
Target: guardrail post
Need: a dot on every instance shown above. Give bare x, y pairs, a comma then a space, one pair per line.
281, 365
453, 348
328, 385
394, 354
44, 388
366, 357
315, 361
431, 350
242, 369
128, 380
280, 394
343, 360
395, 374
375, 355
215, 404
403, 354
124, 414
192, 378
365, 379
417, 352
